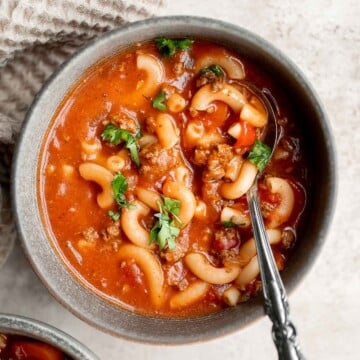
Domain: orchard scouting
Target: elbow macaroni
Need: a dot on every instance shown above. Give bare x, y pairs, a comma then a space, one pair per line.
231, 296
154, 74
200, 266
234, 215
118, 162
193, 293
248, 273
188, 202
167, 131
149, 197
176, 103
283, 211
102, 177
256, 117
233, 67
242, 184
151, 268
182, 176
195, 130
248, 250
130, 223
228, 94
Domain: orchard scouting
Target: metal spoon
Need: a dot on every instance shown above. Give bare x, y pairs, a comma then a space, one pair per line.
275, 299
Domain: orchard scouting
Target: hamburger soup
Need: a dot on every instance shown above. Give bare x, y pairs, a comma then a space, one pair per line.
143, 175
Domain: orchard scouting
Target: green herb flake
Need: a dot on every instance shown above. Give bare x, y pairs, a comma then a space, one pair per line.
215, 69
158, 102
115, 216
115, 135
111, 134
166, 229
130, 144
119, 185
171, 205
260, 155
184, 44
231, 224
168, 47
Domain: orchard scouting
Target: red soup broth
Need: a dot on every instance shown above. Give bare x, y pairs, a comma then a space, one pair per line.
16, 347
116, 97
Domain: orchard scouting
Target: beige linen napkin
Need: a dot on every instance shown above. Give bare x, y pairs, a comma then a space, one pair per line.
36, 36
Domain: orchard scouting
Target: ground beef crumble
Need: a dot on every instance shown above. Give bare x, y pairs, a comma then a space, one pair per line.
124, 122
156, 161
215, 160
90, 235
182, 246
175, 275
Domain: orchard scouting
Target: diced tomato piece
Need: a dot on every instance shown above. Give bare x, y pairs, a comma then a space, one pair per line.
35, 351
217, 117
267, 196
247, 135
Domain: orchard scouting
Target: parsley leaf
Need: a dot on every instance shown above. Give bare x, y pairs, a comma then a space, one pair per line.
115, 216
130, 144
230, 224
168, 47
184, 44
158, 102
215, 69
171, 205
115, 135
119, 186
111, 134
167, 227
260, 155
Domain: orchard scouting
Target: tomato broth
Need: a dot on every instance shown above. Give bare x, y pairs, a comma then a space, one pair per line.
140, 179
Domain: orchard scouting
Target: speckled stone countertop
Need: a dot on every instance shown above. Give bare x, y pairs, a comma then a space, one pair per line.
323, 38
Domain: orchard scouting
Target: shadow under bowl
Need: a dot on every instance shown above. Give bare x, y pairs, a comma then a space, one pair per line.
50, 268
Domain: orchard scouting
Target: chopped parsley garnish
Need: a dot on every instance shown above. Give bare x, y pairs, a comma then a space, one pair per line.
115, 216
167, 227
230, 224
115, 135
260, 155
168, 47
171, 205
158, 102
119, 186
215, 69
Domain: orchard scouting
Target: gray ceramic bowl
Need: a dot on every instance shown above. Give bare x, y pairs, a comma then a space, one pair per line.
51, 270
19, 325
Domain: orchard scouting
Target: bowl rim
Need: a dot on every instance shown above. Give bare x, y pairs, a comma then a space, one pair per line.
11, 324
205, 23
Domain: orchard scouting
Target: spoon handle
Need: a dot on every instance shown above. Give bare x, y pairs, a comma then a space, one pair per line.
275, 299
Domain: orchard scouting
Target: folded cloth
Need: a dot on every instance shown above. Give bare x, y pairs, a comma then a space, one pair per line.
36, 36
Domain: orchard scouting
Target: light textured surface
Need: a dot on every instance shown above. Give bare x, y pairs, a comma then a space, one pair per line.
323, 38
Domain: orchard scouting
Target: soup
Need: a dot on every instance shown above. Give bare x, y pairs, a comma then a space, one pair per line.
144, 172
16, 347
